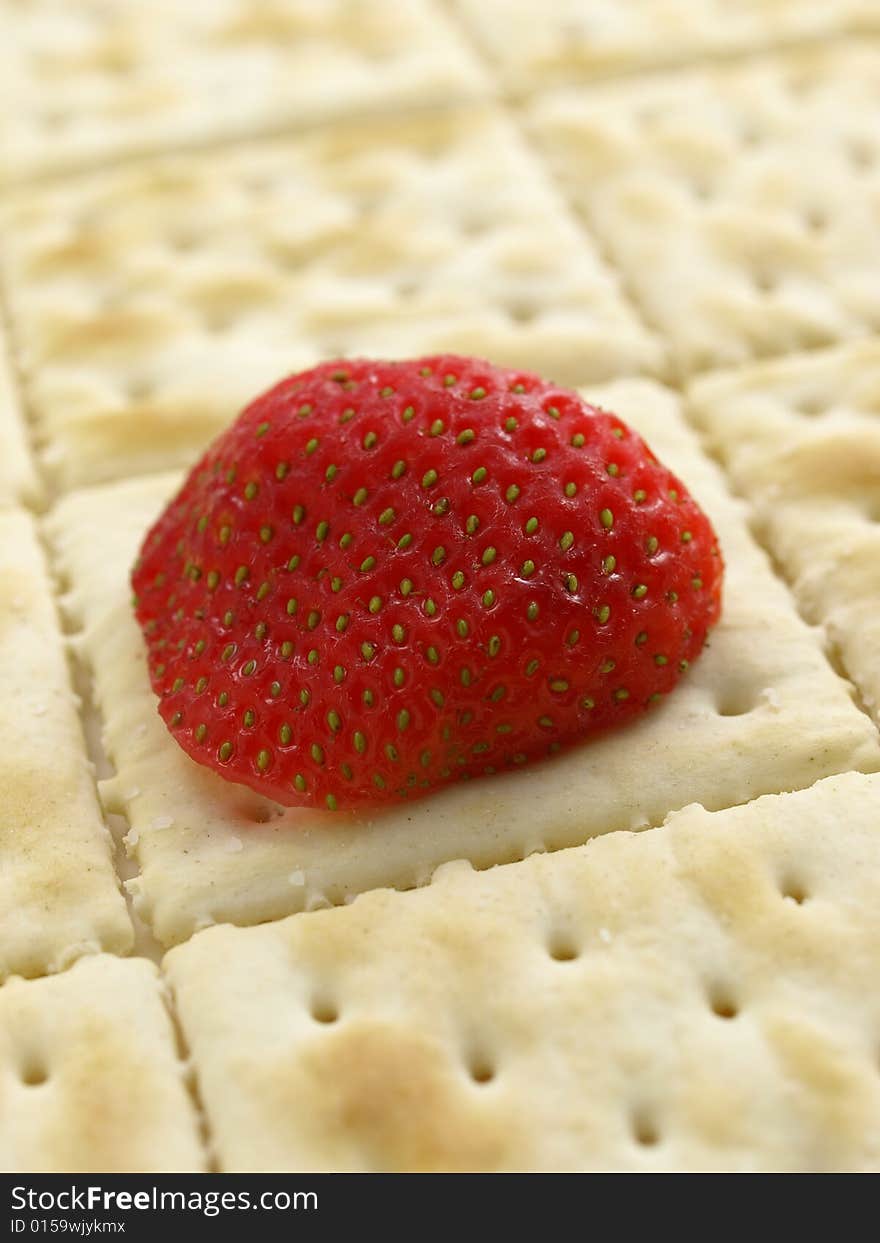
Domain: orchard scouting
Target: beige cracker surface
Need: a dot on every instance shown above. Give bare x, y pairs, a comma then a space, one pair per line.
699, 997
91, 1080
739, 202
801, 439
100, 79
151, 302
565, 40
59, 896
18, 478
762, 696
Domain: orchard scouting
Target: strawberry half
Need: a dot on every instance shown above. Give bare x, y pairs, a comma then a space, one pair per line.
386, 576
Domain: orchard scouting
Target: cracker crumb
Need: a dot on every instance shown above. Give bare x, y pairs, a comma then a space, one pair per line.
162, 822
605, 936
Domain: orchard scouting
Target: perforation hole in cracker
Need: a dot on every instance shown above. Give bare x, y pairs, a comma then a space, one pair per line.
793, 890
645, 1131
562, 946
722, 1001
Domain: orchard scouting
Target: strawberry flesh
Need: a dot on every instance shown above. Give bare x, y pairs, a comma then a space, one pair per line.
387, 576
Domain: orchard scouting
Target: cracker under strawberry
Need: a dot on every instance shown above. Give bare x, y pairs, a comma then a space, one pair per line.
387, 576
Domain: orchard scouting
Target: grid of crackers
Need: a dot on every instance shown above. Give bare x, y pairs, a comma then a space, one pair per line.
656, 952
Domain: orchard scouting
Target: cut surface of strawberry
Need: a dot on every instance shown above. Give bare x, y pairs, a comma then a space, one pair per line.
387, 576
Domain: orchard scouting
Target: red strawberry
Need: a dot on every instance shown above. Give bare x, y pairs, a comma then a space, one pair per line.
387, 576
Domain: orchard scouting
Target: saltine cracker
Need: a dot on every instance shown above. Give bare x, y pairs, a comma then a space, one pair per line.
572, 41
92, 82
800, 438
739, 202
59, 896
762, 695
150, 303
699, 997
92, 1080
